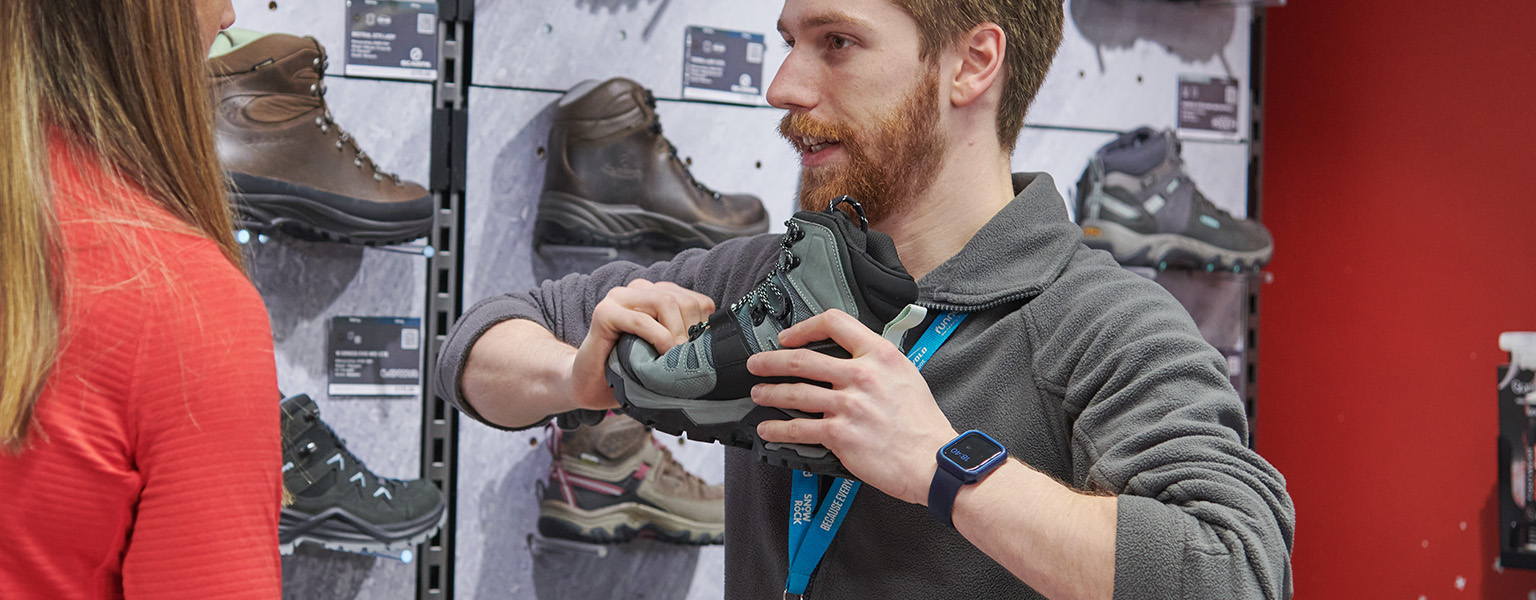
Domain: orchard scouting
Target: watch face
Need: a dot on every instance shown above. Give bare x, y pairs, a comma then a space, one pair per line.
971, 451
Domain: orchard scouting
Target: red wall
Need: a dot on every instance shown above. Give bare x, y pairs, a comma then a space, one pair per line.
1400, 185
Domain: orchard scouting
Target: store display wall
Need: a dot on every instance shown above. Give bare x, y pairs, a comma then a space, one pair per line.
1397, 146
1117, 70
305, 284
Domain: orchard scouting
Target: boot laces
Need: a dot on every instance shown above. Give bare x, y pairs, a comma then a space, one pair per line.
769, 298
650, 100
667, 467
325, 122
350, 463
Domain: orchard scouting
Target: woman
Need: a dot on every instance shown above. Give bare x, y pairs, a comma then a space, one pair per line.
138, 445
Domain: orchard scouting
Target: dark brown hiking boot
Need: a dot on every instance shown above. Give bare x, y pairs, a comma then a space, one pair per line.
613, 180
293, 169
613, 482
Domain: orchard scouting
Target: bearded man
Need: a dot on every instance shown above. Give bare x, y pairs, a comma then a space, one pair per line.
1129, 475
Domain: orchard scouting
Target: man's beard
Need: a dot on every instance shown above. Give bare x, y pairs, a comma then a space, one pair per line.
889, 164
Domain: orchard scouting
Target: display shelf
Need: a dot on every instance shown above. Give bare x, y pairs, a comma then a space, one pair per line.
304, 284
555, 45
499, 471
1219, 169
1117, 70
1120, 61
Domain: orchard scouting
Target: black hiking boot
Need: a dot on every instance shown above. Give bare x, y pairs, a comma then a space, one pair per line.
340, 504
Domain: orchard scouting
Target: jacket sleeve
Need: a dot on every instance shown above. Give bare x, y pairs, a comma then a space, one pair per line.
564, 306
206, 439
1155, 420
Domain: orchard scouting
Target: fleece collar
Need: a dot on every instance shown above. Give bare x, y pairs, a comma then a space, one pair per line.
1013, 257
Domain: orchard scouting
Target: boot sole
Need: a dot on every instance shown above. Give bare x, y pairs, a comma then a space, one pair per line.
624, 522
730, 422
267, 205
565, 219
1165, 250
337, 529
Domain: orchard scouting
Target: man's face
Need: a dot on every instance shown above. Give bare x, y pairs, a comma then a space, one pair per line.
863, 107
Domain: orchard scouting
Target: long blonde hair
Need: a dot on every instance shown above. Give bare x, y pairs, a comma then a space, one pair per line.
125, 80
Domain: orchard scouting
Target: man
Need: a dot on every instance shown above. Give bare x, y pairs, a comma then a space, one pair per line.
1130, 477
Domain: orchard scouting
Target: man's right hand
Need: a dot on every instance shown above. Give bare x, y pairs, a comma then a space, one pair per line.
659, 313
518, 373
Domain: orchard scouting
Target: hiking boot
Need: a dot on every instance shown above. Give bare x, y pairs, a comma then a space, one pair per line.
612, 482
1136, 201
702, 387
292, 167
612, 180
340, 504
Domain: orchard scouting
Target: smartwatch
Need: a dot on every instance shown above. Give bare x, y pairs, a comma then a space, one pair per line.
966, 459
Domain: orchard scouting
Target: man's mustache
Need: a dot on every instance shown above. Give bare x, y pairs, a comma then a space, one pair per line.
795, 126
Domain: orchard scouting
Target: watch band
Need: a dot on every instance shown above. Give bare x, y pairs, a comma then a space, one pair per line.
941, 495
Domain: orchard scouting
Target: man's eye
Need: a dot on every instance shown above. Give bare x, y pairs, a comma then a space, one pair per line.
837, 42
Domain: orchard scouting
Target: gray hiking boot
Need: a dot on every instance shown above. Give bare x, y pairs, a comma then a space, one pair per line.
613, 482
702, 387
340, 504
1136, 201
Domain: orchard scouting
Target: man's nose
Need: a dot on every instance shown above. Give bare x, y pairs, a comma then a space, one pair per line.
792, 87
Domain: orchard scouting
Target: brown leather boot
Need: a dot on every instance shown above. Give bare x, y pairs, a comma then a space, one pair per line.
613, 482
292, 167
613, 180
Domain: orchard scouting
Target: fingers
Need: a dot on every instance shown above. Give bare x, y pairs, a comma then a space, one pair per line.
838, 326
797, 362
803, 397
615, 320
660, 313
795, 431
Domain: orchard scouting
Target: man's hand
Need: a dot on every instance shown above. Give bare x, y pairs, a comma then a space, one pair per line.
879, 418
660, 313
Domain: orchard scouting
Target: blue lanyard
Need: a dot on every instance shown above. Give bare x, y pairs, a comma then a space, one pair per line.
812, 523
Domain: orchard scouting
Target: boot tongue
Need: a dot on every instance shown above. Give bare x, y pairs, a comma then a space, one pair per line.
1136, 152
617, 437
294, 410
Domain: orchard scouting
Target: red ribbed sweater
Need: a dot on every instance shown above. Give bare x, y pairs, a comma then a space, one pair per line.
154, 465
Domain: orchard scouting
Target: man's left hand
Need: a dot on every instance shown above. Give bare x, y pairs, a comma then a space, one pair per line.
879, 417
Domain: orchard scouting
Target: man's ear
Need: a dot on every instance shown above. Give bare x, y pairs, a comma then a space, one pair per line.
980, 52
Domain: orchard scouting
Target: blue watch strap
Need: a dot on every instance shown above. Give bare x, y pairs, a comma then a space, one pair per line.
941, 495
949, 476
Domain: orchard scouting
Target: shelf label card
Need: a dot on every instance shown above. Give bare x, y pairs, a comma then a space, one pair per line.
1208, 103
392, 39
723, 66
375, 356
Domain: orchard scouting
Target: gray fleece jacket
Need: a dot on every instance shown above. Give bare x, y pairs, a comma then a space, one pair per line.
1081, 369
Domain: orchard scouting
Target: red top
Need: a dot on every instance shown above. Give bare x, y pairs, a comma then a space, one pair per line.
153, 470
